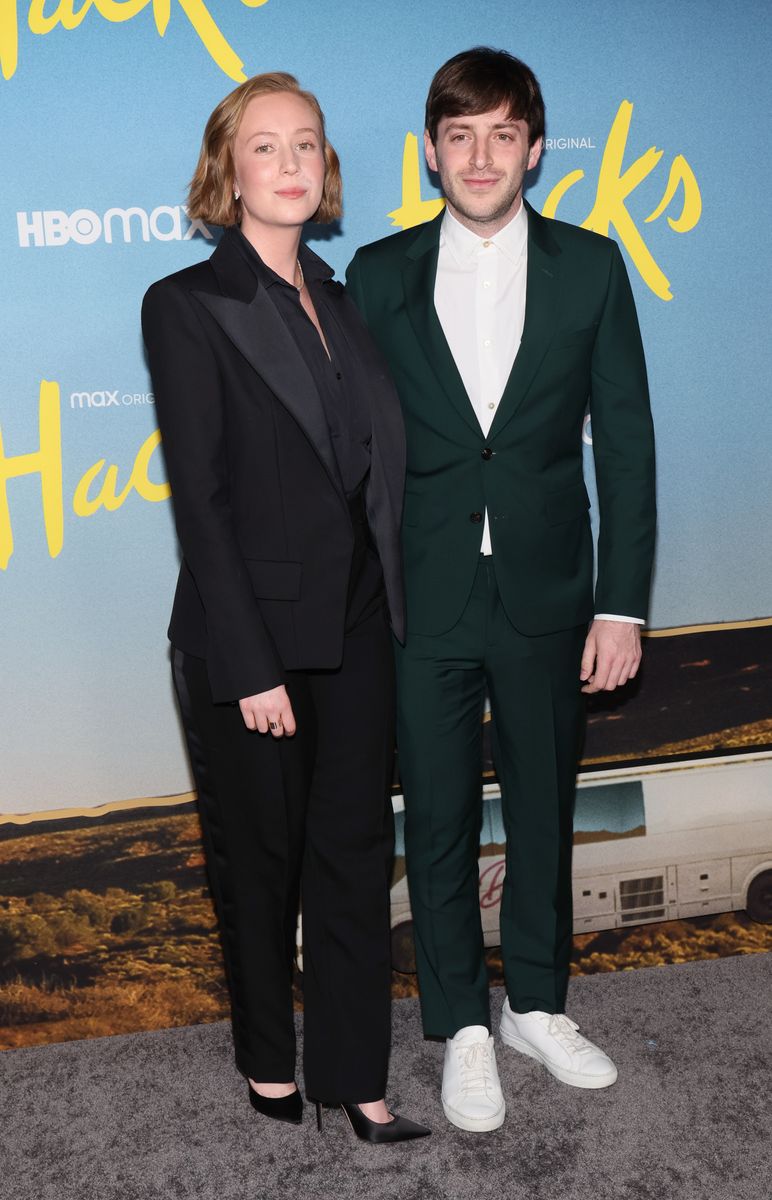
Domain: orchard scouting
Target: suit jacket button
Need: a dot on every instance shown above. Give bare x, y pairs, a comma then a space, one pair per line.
486, 453
475, 518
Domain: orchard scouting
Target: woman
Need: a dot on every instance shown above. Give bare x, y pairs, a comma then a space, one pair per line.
285, 451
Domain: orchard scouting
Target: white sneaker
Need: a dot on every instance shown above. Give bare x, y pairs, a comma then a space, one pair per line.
471, 1093
553, 1040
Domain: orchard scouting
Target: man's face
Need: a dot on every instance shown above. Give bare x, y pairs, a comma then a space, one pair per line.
481, 162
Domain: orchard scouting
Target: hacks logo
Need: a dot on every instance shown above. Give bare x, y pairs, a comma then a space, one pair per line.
69, 14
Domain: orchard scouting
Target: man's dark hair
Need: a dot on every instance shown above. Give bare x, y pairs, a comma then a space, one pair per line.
482, 80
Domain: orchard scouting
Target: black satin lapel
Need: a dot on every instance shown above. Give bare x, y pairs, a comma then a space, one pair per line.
258, 332
418, 279
541, 302
386, 480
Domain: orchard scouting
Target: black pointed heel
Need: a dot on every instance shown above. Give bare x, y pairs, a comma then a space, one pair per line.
280, 1108
398, 1129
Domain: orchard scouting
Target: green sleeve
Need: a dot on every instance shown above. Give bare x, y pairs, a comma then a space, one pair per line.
623, 448
354, 286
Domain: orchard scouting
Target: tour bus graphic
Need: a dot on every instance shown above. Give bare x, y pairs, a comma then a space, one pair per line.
651, 843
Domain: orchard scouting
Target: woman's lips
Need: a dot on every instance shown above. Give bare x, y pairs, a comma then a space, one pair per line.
292, 193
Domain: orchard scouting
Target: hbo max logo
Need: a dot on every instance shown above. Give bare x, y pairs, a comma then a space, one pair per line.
166, 223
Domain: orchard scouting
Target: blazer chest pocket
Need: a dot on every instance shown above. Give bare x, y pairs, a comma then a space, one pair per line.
275, 580
566, 505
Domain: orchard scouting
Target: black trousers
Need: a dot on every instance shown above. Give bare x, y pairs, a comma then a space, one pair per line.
306, 815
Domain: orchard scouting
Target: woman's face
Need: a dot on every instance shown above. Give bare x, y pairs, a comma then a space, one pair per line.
278, 158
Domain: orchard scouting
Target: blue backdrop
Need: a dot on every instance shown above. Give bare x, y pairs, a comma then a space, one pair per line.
656, 115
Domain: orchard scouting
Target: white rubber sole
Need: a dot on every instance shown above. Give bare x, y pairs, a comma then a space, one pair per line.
572, 1078
472, 1124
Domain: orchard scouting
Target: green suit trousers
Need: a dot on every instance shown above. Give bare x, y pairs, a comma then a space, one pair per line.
537, 721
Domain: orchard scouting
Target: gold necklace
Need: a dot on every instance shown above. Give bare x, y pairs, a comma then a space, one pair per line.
302, 283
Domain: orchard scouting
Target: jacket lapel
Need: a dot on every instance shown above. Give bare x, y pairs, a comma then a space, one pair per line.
247, 316
385, 482
541, 302
375, 385
419, 275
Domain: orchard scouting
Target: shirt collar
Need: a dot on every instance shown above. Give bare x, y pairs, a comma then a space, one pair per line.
464, 244
313, 267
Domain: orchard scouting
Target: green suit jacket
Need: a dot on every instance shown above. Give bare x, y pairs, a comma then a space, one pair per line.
581, 345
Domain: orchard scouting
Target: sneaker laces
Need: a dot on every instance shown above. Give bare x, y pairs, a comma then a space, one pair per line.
564, 1030
475, 1067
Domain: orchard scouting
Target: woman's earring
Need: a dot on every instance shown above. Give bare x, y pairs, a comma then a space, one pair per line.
236, 193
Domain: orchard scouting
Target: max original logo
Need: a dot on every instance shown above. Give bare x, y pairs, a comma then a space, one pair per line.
166, 223
67, 14
105, 398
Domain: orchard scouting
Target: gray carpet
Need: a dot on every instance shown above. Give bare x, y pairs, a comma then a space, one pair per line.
164, 1116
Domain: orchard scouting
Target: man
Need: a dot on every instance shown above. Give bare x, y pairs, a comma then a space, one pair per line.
499, 327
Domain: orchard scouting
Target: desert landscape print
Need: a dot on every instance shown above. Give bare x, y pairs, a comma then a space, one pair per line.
106, 925
137, 948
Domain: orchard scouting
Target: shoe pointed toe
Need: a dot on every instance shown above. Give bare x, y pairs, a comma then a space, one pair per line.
404, 1130
377, 1133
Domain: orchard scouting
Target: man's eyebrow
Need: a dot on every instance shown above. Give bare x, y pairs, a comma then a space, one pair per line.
461, 124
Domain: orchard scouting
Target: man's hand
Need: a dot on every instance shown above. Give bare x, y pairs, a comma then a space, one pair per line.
269, 712
612, 655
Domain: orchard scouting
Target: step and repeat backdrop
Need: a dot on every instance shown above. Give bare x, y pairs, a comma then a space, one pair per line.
655, 119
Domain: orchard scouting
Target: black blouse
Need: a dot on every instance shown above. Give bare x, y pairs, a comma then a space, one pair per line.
347, 411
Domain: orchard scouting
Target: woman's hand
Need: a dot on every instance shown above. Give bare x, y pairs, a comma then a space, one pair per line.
269, 712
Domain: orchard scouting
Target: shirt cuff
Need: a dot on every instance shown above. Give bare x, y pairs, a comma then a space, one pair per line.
616, 617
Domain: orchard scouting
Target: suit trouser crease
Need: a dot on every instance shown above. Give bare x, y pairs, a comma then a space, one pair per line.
536, 719
310, 813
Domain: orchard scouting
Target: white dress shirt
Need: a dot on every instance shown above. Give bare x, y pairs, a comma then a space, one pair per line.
479, 296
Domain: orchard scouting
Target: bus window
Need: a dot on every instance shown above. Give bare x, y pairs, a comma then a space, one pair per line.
606, 812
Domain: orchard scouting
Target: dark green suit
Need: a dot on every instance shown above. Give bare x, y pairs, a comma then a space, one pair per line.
514, 622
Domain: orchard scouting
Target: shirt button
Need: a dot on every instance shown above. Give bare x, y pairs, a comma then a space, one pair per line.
492, 404
487, 342
475, 518
486, 283
487, 453
486, 245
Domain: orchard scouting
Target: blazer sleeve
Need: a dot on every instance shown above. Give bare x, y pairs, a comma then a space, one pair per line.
241, 657
354, 287
623, 449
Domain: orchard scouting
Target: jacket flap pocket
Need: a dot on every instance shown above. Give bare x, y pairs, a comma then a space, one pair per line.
566, 505
275, 580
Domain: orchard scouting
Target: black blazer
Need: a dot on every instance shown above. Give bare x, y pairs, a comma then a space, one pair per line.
260, 511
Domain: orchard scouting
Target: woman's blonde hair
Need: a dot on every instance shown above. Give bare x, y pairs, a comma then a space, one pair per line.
211, 196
